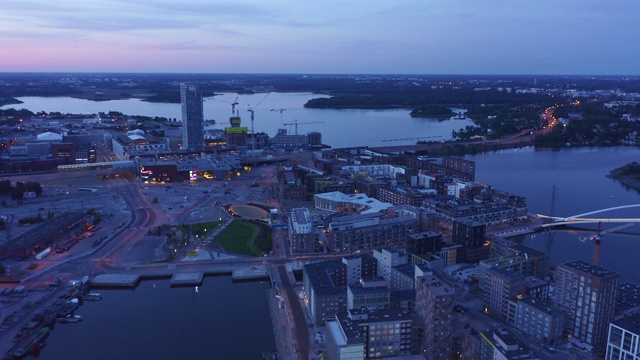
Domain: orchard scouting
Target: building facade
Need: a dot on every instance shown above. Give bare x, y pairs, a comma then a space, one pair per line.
434, 308
385, 333
623, 342
500, 286
192, 117
471, 235
587, 293
540, 320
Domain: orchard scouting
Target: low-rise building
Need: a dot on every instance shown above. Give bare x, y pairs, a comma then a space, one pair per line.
337, 201
503, 346
383, 333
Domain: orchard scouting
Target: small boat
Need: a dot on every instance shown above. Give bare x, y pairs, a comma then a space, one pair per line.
92, 297
71, 319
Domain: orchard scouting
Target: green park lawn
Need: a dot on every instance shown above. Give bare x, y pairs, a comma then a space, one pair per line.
238, 238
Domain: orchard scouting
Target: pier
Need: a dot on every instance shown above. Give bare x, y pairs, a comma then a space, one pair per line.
127, 280
187, 279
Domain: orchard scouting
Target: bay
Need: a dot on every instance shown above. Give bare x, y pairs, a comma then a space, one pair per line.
218, 320
582, 186
339, 128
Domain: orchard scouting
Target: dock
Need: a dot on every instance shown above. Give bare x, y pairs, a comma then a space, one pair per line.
129, 280
250, 273
187, 279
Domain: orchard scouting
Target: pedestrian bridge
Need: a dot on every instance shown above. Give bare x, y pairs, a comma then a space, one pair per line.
593, 217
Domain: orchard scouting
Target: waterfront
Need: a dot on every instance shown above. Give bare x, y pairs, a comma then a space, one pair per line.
133, 324
218, 320
582, 186
339, 128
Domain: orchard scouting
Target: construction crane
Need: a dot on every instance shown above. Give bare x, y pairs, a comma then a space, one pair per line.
252, 110
295, 123
233, 107
597, 238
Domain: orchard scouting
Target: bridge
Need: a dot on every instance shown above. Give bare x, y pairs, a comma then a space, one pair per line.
582, 218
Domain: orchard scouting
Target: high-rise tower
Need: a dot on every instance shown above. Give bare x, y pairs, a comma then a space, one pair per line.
588, 293
192, 117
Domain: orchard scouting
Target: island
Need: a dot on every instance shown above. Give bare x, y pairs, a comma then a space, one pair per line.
628, 175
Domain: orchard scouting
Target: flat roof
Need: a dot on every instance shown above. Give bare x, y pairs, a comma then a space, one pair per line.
506, 273
628, 297
630, 323
373, 204
590, 269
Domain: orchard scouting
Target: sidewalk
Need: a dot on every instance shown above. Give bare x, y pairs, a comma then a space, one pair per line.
282, 327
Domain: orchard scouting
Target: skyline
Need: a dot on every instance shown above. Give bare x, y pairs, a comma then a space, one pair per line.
491, 37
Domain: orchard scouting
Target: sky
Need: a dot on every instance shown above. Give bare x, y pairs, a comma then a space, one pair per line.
554, 37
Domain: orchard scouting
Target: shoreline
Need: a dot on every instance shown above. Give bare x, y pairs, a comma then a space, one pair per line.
631, 181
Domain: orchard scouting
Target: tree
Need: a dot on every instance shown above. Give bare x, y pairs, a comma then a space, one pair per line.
5, 186
17, 193
33, 186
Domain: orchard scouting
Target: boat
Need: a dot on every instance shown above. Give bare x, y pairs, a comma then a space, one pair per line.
33, 343
67, 308
71, 319
92, 297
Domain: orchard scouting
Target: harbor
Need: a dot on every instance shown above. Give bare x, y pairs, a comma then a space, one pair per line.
31, 338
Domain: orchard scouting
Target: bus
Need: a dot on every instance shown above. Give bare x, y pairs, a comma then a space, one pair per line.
88, 189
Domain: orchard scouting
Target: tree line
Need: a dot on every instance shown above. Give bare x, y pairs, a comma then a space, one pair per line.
17, 192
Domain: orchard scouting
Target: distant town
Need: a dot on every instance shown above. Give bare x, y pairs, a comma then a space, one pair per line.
371, 252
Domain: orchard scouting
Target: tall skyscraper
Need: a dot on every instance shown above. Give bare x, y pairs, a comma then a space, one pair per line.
588, 293
192, 117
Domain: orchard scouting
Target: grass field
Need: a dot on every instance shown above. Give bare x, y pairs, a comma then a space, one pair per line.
238, 238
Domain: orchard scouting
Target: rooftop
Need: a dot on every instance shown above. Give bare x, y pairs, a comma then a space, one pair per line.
437, 285
505, 273
628, 297
630, 323
353, 320
540, 305
589, 268
373, 205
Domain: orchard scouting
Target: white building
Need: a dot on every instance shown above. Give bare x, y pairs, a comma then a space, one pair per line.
388, 257
624, 339
300, 221
337, 201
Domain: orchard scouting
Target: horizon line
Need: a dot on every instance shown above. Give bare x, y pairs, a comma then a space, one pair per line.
312, 74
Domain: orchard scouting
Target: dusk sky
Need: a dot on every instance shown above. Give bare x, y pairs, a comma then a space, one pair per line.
597, 37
